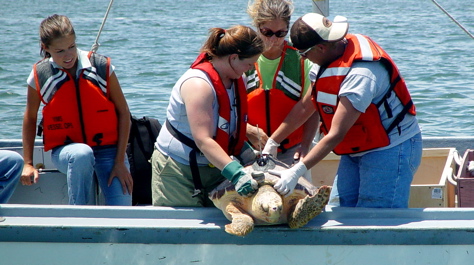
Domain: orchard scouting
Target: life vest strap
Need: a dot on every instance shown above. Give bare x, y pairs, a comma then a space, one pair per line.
198, 187
400, 115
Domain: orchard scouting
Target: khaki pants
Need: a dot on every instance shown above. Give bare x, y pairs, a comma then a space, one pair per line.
172, 182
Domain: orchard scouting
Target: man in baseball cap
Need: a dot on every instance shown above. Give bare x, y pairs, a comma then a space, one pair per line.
313, 28
316, 32
366, 113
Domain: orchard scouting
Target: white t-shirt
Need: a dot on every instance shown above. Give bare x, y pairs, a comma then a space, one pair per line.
177, 116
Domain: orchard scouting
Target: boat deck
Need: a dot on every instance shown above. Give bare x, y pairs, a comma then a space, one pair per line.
167, 225
52, 234
165, 235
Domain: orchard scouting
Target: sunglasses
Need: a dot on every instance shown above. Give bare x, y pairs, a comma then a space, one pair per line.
268, 33
303, 54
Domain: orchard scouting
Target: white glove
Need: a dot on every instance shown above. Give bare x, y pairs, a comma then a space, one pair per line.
271, 148
288, 178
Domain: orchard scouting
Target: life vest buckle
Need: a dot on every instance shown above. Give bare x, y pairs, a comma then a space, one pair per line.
196, 192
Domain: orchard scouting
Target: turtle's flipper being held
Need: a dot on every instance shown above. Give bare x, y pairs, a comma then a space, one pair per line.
308, 208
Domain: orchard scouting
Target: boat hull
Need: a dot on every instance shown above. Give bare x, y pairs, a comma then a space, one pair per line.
53, 234
144, 235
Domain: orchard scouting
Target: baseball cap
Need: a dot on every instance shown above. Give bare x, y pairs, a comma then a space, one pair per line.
314, 28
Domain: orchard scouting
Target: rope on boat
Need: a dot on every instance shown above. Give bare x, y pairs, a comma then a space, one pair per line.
96, 44
452, 18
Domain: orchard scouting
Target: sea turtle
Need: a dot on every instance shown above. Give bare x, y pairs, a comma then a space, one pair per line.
266, 206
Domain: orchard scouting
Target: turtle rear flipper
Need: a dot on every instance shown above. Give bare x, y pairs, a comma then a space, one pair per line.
241, 224
308, 208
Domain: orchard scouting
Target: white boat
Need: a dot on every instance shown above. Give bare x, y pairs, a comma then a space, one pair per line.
39, 228
51, 232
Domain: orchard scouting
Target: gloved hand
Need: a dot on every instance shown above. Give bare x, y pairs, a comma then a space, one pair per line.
245, 185
271, 148
288, 178
248, 154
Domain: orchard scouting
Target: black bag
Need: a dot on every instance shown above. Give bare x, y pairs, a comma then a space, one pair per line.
143, 134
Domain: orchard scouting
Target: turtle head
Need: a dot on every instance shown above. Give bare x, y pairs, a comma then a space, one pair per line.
267, 205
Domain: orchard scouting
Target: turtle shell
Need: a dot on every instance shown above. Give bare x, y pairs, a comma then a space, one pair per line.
267, 206
263, 164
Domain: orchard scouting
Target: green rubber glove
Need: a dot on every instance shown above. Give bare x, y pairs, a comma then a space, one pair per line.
244, 184
248, 154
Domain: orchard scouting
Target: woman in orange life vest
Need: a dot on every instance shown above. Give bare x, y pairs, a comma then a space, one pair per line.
86, 120
367, 117
278, 82
206, 123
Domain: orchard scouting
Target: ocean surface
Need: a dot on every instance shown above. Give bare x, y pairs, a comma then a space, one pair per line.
152, 42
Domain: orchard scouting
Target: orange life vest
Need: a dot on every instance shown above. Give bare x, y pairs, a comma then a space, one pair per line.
76, 111
268, 108
368, 131
233, 145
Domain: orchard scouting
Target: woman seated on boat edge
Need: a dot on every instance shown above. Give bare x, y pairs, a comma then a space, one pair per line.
206, 123
85, 138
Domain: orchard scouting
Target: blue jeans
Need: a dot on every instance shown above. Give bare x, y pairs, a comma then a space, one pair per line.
11, 165
79, 162
379, 179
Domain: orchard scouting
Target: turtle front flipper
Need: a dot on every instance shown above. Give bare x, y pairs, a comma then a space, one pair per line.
241, 224
308, 208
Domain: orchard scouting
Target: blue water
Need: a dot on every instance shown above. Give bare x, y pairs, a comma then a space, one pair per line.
152, 42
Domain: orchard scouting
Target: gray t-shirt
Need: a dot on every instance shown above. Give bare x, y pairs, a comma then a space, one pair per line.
368, 82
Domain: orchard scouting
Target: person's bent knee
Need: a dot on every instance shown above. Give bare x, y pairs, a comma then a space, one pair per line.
83, 150
16, 160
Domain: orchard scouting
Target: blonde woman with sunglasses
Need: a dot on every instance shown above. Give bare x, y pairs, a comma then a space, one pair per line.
278, 82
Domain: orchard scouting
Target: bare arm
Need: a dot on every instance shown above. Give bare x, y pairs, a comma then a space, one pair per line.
256, 136
297, 117
345, 116
28, 136
123, 114
312, 124
198, 98
309, 131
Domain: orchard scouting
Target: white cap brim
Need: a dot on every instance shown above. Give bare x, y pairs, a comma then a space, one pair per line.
327, 30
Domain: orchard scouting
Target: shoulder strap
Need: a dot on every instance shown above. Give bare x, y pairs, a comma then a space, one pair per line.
192, 156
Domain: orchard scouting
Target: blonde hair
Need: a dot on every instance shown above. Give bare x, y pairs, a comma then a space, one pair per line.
262, 11
51, 28
240, 40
